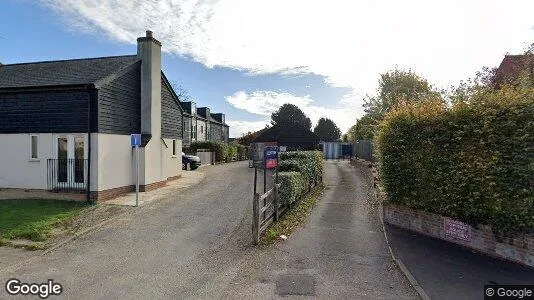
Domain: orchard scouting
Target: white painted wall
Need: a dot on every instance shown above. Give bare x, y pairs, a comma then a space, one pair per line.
114, 163
17, 170
172, 164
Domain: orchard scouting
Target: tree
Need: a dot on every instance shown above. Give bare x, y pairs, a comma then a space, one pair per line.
247, 138
395, 87
327, 130
181, 92
363, 129
289, 114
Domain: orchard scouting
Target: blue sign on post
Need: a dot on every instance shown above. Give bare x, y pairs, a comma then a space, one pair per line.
270, 157
136, 140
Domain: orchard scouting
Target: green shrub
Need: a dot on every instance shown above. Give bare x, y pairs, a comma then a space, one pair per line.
242, 152
290, 165
298, 169
232, 152
291, 187
220, 149
474, 162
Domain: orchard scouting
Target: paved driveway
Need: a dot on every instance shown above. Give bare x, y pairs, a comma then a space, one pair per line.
340, 253
179, 247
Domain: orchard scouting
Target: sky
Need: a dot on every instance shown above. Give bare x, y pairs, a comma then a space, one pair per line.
247, 58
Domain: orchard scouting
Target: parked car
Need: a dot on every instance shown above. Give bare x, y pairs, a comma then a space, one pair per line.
190, 160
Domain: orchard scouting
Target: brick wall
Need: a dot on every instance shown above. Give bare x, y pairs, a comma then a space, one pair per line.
518, 248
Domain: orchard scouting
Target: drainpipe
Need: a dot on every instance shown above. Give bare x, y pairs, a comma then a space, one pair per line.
88, 190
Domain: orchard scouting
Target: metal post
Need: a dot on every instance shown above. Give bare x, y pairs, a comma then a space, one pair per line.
137, 176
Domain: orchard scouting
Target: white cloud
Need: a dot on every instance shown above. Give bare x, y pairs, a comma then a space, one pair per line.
238, 128
264, 103
348, 42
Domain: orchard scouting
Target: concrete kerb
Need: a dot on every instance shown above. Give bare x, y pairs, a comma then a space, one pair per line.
88, 231
401, 266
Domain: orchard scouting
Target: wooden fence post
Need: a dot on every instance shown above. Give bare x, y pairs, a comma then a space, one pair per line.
256, 218
276, 202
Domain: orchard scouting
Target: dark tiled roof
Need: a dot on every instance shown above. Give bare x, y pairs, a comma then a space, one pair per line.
512, 66
187, 106
63, 72
201, 111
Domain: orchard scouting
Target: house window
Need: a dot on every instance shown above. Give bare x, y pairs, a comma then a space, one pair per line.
202, 128
34, 147
173, 147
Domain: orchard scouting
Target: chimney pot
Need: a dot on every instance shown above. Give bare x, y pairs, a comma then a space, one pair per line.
148, 34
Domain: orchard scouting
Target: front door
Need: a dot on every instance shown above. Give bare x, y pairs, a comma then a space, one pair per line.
71, 161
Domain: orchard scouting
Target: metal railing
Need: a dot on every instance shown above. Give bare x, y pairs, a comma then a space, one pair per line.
67, 175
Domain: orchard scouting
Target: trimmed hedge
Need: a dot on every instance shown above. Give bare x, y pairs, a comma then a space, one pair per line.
291, 187
298, 169
473, 162
220, 149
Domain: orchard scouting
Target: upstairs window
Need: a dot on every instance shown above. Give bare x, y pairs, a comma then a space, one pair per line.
173, 147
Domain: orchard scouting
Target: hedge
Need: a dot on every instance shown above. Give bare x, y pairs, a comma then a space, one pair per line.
291, 187
220, 149
242, 152
473, 162
232, 152
298, 169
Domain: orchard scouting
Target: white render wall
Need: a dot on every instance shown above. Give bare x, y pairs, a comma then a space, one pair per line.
172, 164
17, 170
114, 161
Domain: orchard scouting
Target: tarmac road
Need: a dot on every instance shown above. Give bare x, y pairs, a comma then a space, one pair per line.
197, 245
340, 253
176, 248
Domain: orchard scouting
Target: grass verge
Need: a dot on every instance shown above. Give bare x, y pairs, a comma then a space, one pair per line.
34, 219
293, 217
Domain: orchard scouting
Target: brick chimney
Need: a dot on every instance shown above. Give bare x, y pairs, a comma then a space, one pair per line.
149, 51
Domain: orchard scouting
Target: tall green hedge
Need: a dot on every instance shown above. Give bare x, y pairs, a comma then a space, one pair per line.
473, 162
292, 186
298, 169
220, 149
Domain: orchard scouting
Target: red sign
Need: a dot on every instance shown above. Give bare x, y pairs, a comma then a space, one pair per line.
456, 229
271, 157
271, 163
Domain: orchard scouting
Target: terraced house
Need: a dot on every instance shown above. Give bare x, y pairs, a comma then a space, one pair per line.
65, 126
202, 125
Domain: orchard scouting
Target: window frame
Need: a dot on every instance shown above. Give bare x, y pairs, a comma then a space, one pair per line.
36, 158
174, 149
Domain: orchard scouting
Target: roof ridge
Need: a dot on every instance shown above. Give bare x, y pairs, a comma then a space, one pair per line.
64, 60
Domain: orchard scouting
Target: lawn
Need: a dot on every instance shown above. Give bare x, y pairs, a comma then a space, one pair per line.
34, 219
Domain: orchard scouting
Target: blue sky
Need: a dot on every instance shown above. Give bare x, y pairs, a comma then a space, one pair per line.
247, 58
